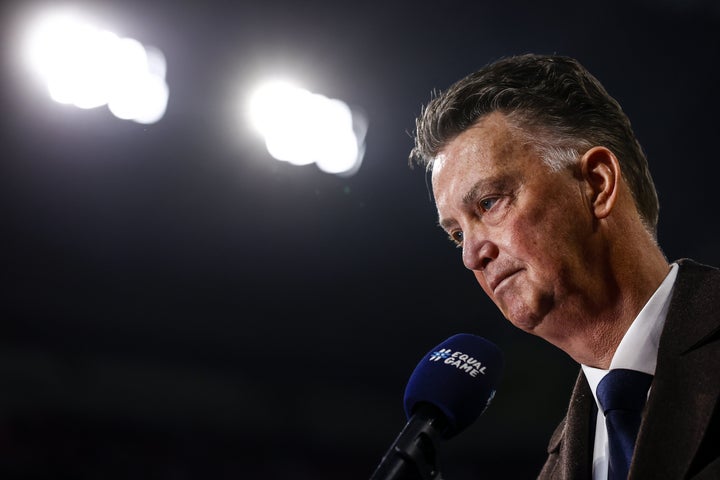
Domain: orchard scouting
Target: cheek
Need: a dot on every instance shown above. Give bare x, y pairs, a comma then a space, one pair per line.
552, 251
481, 280
525, 239
544, 232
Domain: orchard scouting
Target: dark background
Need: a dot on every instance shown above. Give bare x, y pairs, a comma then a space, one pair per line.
178, 305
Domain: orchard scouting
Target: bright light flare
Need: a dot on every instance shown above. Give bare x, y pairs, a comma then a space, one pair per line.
90, 67
301, 127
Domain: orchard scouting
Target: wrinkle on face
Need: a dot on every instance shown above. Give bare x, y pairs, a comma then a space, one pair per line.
539, 239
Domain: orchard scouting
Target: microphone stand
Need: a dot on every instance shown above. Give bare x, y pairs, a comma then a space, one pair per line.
413, 454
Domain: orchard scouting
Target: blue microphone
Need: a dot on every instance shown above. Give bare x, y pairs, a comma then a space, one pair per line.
449, 389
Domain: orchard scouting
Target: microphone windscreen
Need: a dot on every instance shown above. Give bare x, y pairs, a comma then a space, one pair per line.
459, 377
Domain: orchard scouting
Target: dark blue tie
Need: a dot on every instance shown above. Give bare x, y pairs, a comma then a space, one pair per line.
622, 394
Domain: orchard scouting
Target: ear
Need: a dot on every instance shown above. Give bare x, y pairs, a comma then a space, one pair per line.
601, 172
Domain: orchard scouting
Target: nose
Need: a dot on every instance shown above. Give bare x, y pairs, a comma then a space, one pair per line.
478, 252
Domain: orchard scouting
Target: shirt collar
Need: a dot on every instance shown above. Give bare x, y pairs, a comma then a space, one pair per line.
639, 346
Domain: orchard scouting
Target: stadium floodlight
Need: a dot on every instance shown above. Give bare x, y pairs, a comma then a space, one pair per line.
89, 67
301, 127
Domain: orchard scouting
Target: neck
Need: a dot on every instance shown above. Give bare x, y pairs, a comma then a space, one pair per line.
603, 318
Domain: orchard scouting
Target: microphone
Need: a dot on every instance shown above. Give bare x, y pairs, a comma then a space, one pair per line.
449, 389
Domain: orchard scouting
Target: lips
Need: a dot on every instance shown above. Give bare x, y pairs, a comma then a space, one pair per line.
496, 280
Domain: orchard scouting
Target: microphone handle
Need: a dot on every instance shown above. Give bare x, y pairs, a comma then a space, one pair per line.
413, 454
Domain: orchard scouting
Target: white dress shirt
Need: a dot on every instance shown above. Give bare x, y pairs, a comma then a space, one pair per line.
637, 351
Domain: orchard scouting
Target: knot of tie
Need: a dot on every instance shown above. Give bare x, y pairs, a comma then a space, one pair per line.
622, 394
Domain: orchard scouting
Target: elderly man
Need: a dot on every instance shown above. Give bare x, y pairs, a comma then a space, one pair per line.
538, 178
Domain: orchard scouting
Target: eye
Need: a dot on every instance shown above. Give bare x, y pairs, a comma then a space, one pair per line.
487, 203
456, 237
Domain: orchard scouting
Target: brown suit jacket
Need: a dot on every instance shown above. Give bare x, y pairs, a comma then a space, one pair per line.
679, 436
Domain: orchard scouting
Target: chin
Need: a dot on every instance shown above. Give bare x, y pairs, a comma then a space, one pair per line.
527, 323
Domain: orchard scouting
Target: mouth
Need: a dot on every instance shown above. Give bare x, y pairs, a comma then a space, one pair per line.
500, 279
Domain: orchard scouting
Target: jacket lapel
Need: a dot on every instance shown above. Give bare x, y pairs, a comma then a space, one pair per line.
686, 378
572, 441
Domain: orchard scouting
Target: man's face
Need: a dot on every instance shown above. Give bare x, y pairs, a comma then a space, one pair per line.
526, 232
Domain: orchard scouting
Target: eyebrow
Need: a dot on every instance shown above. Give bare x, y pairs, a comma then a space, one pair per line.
498, 183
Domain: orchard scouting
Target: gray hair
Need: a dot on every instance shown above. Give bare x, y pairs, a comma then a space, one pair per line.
561, 108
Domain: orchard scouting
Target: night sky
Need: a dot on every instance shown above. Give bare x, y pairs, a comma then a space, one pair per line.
179, 305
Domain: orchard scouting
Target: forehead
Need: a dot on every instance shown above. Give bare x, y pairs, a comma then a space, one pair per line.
491, 147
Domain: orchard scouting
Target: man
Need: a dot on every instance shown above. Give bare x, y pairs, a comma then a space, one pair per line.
538, 177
